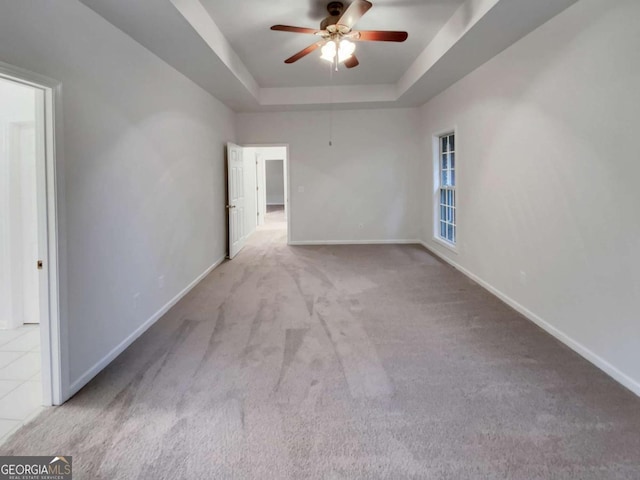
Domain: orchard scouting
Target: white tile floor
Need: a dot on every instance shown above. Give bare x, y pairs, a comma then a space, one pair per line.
20, 381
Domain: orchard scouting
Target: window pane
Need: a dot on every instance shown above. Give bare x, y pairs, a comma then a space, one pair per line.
447, 213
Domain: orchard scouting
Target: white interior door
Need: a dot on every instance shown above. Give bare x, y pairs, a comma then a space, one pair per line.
236, 206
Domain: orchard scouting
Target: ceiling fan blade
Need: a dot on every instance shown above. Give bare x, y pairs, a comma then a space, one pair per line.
355, 11
304, 53
287, 28
380, 36
351, 62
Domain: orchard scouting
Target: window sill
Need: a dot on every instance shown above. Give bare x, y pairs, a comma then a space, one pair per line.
445, 244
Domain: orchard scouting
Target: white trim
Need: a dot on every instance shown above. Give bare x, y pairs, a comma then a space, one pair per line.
53, 346
577, 347
355, 242
450, 246
122, 346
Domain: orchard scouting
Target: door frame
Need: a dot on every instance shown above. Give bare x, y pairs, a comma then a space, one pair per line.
53, 346
287, 182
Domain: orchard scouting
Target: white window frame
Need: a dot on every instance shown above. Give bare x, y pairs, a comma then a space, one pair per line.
436, 141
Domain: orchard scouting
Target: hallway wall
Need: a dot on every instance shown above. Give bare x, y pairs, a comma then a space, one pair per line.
274, 173
547, 177
142, 175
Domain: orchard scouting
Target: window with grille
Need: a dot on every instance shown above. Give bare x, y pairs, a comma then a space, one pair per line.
446, 224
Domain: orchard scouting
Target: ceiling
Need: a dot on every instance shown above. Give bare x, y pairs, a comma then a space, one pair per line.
247, 28
227, 48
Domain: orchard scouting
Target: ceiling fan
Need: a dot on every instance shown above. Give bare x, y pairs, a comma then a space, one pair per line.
337, 34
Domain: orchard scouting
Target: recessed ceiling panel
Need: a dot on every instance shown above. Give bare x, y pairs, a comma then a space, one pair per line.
246, 25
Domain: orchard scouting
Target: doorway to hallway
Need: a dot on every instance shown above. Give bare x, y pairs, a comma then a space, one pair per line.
30, 367
273, 190
257, 192
21, 125
272, 195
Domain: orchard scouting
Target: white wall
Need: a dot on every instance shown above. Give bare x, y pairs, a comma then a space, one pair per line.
18, 212
363, 188
143, 171
274, 179
548, 178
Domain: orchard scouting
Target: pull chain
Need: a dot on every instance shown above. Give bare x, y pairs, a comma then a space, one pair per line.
331, 106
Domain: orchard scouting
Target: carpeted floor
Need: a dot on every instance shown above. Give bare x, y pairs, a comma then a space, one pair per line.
343, 362
275, 214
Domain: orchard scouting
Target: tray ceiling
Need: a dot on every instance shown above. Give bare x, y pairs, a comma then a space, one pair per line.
227, 47
246, 26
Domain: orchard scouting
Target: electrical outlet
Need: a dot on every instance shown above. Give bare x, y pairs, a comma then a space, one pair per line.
136, 301
161, 281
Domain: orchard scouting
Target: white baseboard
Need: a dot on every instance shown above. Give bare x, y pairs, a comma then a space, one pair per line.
354, 242
122, 346
577, 347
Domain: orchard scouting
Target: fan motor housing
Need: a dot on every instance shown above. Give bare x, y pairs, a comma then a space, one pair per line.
335, 10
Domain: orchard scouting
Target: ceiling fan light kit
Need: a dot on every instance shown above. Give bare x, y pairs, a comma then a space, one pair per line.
338, 37
344, 50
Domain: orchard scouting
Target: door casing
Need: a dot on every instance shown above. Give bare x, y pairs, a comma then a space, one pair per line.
50, 192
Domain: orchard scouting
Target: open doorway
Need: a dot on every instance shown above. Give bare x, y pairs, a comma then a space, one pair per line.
26, 162
271, 186
257, 193
274, 192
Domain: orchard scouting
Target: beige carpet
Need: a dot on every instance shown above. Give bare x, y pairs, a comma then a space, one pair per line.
343, 362
275, 214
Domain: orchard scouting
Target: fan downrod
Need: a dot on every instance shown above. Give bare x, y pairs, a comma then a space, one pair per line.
335, 8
